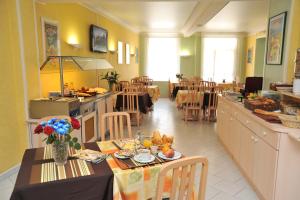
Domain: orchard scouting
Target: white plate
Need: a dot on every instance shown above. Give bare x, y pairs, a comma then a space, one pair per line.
142, 159
176, 156
121, 157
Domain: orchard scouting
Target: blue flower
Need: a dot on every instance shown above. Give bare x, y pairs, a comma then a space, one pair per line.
63, 121
60, 125
43, 123
61, 131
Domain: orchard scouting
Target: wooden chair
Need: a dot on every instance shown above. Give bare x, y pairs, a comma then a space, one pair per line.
114, 123
183, 84
218, 89
171, 88
211, 109
183, 170
192, 108
131, 105
130, 88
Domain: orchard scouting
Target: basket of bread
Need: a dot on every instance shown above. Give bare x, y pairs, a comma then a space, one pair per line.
291, 121
258, 102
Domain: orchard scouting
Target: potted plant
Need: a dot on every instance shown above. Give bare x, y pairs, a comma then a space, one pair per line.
179, 76
58, 133
112, 78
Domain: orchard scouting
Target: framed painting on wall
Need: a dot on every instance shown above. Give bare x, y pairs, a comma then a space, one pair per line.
250, 55
275, 42
98, 39
50, 37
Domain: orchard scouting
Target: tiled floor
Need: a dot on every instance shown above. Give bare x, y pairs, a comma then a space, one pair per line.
225, 182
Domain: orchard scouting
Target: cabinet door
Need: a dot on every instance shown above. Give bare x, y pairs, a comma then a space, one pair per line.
101, 109
89, 129
264, 168
235, 137
109, 104
246, 150
226, 129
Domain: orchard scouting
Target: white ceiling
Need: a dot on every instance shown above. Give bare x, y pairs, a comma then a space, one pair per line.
239, 16
182, 16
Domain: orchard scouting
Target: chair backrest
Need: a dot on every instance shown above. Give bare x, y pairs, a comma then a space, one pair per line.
213, 100
183, 172
218, 89
114, 122
130, 88
131, 102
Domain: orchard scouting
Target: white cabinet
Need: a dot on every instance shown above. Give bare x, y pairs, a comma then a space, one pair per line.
246, 151
249, 148
264, 167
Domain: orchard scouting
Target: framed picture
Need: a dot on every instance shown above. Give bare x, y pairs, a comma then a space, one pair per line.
275, 42
98, 39
250, 55
50, 36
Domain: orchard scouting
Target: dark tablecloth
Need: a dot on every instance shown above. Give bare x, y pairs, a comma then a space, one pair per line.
97, 186
145, 102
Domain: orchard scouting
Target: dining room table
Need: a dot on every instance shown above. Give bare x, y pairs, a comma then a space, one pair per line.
183, 98
144, 99
113, 178
154, 92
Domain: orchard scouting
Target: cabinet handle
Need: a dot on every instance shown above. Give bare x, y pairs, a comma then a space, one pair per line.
252, 138
231, 118
255, 140
247, 122
264, 133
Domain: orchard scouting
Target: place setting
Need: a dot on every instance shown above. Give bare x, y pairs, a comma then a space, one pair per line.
145, 151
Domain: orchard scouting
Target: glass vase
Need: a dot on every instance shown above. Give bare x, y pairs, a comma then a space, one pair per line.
60, 152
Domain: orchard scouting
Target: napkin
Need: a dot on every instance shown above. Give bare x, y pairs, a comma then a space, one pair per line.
90, 155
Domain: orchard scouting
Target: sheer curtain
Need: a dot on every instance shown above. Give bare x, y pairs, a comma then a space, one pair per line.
162, 58
219, 59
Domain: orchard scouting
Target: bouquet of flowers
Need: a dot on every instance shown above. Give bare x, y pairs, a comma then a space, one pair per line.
58, 131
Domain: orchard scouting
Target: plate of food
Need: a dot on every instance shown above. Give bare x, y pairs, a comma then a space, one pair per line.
169, 155
124, 154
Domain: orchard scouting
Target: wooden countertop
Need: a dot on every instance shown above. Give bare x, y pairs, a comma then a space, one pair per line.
274, 127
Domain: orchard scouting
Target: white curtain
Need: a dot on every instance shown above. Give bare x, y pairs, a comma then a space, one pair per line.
162, 58
219, 59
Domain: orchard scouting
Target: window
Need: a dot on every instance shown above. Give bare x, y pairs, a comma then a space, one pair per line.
219, 59
162, 58
127, 48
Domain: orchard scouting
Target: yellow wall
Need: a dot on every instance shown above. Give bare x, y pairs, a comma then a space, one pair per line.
250, 44
294, 39
75, 20
13, 135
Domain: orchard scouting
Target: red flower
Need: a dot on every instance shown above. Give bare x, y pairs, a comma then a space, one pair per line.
75, 123
48, 130
38, 129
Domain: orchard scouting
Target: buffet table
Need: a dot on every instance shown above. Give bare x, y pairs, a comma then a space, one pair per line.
267, 153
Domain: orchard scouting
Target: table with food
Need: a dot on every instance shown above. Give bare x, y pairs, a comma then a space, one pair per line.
114, 169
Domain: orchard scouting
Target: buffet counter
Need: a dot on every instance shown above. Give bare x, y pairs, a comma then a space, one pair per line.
267, 154
88, 113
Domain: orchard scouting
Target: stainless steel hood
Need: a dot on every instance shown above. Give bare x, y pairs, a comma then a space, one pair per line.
72, 63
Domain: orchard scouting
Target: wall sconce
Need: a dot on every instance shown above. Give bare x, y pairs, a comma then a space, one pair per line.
185, 53
73, 41
112, 51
